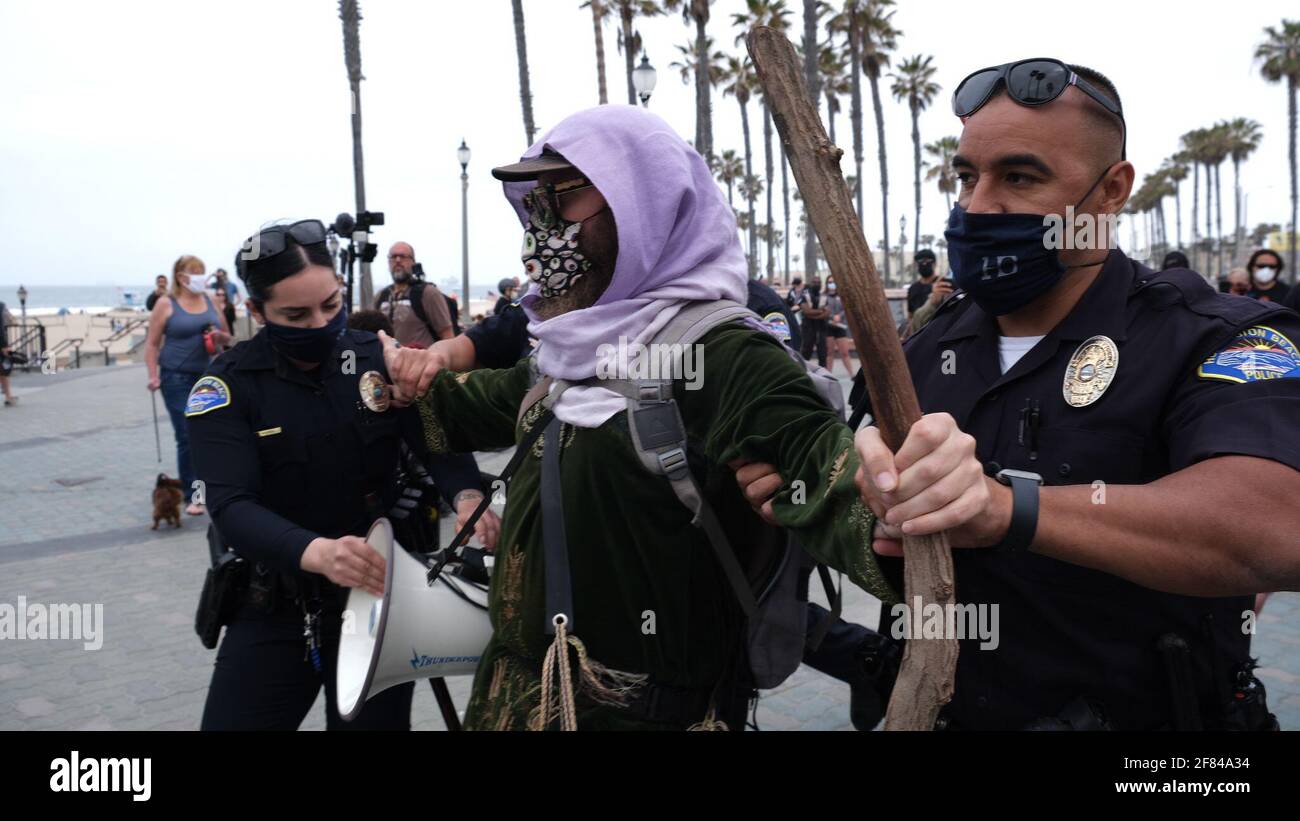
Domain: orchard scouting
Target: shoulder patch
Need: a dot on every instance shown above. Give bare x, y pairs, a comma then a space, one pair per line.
208, 394
777, 324
1253, 355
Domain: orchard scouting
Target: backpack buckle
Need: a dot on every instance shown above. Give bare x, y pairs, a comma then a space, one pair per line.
654, 391
672, 460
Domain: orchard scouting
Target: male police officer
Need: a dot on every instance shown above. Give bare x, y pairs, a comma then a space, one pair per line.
1146, 405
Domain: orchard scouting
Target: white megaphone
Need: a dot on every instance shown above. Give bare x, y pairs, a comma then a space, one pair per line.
417, 630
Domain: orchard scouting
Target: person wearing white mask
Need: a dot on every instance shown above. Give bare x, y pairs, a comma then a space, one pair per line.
1264, 267
176, 352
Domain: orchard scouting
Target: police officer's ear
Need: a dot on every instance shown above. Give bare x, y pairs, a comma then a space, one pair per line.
1114, 189
255, 308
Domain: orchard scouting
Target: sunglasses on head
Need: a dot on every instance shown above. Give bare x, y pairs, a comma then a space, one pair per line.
271, 241
1033, 82
572, 201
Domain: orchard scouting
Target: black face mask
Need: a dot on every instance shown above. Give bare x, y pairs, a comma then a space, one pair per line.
925, 269
1004, 260
312, 345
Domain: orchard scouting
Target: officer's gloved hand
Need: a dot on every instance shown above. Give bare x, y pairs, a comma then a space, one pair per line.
934, 483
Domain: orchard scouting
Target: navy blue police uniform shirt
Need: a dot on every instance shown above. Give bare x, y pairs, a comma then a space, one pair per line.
1199, 374
502, 339
775, 313
286, 455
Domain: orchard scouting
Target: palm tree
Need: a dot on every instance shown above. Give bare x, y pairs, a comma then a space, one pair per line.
751, 188
879, 38
915, 83
350, 14
1190, 154
1199, 149
739, 83
696, 12
728, 169
775, 15
598, 12
1175, 169
1218, 148
851, 22
812, 12
629, 41
833, 67
715, 69
521, 51
943, 150
1243, 135
1280, 56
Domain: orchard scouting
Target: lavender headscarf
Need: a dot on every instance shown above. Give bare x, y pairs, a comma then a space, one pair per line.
677, 242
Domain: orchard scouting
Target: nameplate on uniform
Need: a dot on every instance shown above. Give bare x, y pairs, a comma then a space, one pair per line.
269, 431
1254, 355
208, 394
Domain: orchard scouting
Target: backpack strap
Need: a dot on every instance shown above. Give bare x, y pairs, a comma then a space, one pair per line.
416, 294
659, 436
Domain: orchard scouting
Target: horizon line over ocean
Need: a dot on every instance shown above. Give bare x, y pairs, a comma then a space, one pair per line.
47, 298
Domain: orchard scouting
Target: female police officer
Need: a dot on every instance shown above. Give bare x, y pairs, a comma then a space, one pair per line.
294, 472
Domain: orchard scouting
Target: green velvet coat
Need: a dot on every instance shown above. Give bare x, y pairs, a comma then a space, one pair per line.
649, 597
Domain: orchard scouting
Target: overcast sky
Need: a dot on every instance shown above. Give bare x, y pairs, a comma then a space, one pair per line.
133, 132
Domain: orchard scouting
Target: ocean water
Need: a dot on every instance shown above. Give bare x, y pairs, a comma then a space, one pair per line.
48, 298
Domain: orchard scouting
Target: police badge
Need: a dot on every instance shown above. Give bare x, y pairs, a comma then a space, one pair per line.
375, 393
1091, 369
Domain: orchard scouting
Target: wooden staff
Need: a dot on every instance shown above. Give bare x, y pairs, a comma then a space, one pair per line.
925, 681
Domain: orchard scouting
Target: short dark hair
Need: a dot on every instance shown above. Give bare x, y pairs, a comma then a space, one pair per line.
259, 275
1250, 265
370, 320
1105, 87
1100, 82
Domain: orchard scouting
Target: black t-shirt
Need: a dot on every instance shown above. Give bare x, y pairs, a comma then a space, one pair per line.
917, 293
1278, 293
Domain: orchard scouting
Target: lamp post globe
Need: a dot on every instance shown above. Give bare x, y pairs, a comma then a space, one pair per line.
644, 78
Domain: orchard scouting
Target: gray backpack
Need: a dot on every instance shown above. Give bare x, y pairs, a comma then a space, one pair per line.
775, 606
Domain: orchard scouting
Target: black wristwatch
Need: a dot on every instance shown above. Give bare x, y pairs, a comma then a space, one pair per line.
1024, 509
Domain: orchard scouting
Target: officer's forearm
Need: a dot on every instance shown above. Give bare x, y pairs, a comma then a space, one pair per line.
459, 353
454, 472
261, 535
1207, 530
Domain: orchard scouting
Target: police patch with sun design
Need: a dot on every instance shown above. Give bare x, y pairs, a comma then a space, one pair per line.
1255, 354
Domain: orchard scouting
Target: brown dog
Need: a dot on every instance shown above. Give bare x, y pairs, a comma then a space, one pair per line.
167, 501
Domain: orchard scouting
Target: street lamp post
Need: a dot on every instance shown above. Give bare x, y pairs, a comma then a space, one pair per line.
22, 303
644, 78
462, 154
902, 243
